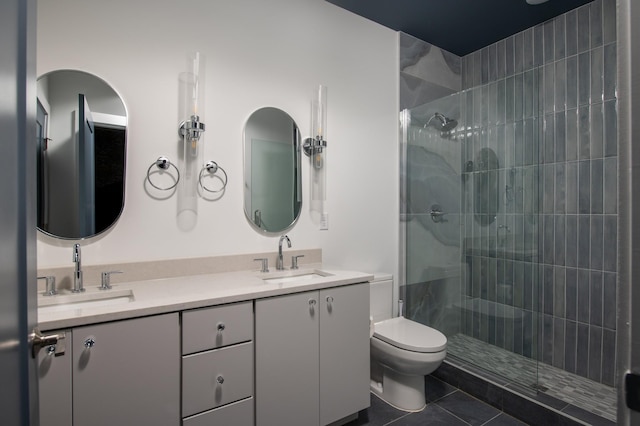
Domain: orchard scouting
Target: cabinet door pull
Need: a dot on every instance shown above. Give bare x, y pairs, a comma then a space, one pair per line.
220, 379
89, 342
312, 302
221, 327
329, 304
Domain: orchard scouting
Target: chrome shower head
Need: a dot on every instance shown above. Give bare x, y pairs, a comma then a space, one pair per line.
444, 124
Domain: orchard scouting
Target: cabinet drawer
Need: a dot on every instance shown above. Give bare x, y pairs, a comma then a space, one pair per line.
214, 378
211, 328
237, 414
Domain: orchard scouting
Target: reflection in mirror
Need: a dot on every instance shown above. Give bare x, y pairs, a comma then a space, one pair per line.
272, 186
486, 186
81, 129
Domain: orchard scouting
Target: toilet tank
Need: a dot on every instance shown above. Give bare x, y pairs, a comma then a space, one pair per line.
381, 297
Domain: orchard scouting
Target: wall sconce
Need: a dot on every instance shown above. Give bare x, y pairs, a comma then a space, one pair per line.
192, 175
191, 130
316, 148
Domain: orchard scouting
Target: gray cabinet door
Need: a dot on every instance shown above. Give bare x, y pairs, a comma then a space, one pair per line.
344, 351
287, 359
54, 382
129, 375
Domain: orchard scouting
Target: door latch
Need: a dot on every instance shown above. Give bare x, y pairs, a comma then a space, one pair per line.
39, 341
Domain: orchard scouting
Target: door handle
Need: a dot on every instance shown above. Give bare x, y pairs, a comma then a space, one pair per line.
37, 340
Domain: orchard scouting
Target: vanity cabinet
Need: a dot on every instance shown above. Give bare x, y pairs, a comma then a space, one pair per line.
292, 359
312, 356
217, 365
127, 372
54, 382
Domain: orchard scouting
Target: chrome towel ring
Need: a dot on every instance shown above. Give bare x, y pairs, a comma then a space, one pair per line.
212, 168
163, 164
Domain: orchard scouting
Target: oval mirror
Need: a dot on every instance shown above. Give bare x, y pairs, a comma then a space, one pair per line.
82, 125
272, 177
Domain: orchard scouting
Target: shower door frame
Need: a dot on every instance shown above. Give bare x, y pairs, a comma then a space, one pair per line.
628, 347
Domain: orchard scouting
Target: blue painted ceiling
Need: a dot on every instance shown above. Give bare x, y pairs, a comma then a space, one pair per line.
459, 26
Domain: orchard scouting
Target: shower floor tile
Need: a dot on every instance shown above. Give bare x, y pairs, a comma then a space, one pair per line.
578, 391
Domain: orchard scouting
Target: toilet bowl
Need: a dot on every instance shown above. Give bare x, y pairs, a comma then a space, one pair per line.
402, 353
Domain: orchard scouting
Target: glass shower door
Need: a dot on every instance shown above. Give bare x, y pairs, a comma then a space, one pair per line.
469, 212
431, 195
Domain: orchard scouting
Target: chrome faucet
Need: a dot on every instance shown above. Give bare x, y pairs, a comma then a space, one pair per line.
77, 273
279, 262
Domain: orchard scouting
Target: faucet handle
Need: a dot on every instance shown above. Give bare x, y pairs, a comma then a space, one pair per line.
105, 282
265, 263
294, 261
51, 285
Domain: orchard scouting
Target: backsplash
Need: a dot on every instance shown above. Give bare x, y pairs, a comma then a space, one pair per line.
171, 268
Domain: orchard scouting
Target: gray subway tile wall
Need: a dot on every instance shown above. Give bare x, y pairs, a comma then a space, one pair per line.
545, 100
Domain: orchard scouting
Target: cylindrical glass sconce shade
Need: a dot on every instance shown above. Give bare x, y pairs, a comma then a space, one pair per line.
319, 113
319, 153
192, 85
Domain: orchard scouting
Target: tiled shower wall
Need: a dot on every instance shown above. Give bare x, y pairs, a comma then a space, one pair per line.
544, 101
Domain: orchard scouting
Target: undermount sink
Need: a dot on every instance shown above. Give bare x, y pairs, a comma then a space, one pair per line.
296, 277
89, 299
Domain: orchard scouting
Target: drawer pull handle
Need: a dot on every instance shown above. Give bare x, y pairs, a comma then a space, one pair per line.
221, 326
89, 342
312, 302
329, 299
220, 379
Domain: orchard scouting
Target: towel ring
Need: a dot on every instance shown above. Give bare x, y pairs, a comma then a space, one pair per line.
212, 167
163, 164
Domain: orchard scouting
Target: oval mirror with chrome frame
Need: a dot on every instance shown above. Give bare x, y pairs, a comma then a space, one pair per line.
81, 148
272, 175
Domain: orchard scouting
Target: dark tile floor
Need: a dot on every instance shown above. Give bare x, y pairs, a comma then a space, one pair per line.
446, 405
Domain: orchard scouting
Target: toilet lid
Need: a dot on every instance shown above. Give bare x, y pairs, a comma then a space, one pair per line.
410, 335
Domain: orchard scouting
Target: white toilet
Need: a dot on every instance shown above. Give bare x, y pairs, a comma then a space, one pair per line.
402, 351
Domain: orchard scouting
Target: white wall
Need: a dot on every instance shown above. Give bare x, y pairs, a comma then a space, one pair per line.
259, 53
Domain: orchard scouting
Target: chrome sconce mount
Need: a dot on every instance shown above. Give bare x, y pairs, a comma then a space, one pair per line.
191, 129
313, 147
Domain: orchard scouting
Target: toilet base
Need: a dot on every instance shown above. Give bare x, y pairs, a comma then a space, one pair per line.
403, 392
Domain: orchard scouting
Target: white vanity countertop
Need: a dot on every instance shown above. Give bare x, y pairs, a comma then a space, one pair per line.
176, 294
